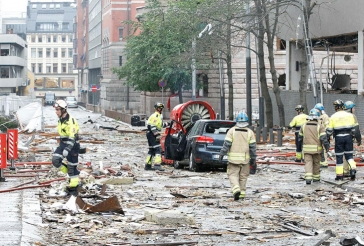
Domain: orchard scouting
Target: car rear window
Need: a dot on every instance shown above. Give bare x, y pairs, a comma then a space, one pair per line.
71, 99
218, 127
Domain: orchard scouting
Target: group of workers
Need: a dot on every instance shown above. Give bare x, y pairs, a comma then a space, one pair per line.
313, 133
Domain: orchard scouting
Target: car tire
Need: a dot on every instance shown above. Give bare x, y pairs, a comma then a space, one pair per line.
177, 165
193, 166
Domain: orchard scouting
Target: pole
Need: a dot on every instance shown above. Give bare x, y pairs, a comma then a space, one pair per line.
162, 94
193, 70
248, 73
222, 93
93, 99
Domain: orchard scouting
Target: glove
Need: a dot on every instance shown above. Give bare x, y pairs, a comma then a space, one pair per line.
253, 166
65, 152
220, 158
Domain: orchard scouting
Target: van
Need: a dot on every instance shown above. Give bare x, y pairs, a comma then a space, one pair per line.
49, 98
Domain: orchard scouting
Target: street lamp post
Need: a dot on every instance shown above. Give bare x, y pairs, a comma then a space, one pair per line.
193, 65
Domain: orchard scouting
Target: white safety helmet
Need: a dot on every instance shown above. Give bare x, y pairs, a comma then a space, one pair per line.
60, 104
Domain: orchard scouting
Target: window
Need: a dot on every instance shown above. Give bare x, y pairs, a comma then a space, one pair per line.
63, 38
55, 39
5, 49
55, 52
68, 83
44, 6
33, 38
40, 65
120, 61
49, 39
63, 52
51, 6
70, 39
49, 68
64, 67
33, 53
121, 33
33, 67
70, 52
58, 6
70, 67
51, 83
48, 52
34, 6
40, 52
4, 71
38, 82
40, 40
55, 68
281, 44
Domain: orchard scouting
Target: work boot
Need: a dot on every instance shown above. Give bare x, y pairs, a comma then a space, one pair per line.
316, 180
236, 196
308, 182
242, 197
148, 167
352, 174
158, 167
339, 178
298, 160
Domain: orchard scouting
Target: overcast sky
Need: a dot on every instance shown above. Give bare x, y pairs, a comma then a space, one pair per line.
11, 7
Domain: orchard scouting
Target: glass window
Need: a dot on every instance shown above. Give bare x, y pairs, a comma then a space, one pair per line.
121, 33
64, 68
55, 67
5, 49
68, 83
63, 38
38, 82
49, 39
40, 40
4, 71
34, 6
58, 6
51, 6
55, 52
48, 53
54, 38
70, 67
70, 39
63, 52
51, 83
70, 52
40, 52
33, 38
44, 6
49, 68
40, 65
33, 67
33, 53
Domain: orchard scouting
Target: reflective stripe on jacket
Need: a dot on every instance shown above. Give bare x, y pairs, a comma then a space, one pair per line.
311, 132
298, 121
68, 128
341, 123
240, 138
155, 122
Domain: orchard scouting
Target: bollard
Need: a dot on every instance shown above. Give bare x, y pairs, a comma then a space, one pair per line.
265, 134
257, 134
271, 136
279, 136
2, 156
12, 147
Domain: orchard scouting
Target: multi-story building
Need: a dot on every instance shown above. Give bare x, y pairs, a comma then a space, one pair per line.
15, 25
80, 45
50, 47
114, 94
13, 64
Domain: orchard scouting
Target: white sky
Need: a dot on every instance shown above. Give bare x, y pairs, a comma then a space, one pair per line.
13, 8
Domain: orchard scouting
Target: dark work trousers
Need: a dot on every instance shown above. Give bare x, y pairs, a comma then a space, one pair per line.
72, 158
154, 147
343, 146
298, 144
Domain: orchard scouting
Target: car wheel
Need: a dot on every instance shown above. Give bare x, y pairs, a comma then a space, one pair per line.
177, 165
193, 166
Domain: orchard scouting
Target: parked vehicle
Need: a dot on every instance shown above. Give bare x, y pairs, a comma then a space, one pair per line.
49, 98
203, 144
71, 102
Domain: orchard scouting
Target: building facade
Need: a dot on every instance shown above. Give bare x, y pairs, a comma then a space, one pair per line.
50, 34
13, 64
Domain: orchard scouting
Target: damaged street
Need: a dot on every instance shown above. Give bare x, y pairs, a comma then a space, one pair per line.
120, 203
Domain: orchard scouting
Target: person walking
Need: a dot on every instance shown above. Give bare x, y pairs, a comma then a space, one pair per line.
240, 147
349, 107
325, 120
342, 125
312, 136
68, 147
297, 122
155, 124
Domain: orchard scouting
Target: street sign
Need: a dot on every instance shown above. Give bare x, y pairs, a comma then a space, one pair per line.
162, 83
94, 88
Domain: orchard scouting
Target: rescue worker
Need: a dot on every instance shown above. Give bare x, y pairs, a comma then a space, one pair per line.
155, 125
342, 126
69, 145
312, 136
240, 147
297, 122
325, 120
349, 107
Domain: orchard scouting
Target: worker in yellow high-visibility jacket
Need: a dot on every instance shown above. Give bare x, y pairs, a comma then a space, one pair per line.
297, 122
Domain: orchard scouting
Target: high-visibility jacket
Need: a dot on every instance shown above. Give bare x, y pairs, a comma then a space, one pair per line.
68, 129
155, 122
312, 133
325, 120
298, 121
243, 145
341, 123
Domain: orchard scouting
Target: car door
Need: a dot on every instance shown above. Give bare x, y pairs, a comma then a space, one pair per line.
191, 137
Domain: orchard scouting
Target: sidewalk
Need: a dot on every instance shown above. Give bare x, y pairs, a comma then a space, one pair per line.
20, 214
